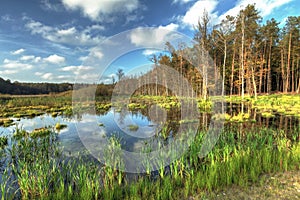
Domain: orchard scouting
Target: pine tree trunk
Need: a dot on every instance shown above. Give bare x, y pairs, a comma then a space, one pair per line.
293, 76
269, 82
224, 64
283, 74
232, 70
242, 56
287, 81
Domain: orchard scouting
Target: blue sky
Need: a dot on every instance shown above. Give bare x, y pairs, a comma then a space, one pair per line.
51, 40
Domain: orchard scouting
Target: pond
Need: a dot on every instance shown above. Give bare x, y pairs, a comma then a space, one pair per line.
137, 128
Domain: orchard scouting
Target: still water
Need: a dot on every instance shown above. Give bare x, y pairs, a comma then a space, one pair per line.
135, 129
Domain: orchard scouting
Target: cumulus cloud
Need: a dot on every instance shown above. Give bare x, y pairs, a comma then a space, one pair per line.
195, 12
193, 15
26, 58
8, 72
17, 52
47, 76
15, 64
264, 7
97, 9
77, 69
55, 59
154, 37
68, 35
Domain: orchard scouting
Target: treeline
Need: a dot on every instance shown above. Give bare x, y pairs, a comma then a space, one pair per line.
17, 88
250, 58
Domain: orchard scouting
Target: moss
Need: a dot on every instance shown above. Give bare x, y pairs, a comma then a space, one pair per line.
60, 126
40, 132
54, 114
6, 122
103, 106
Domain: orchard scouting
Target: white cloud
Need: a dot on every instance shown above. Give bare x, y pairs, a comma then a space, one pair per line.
264, 7
6, 61
8, 72
26, 58
182, 1
55, 59
83, 58
149, 52
14, 64
47, 76
88, 78
67, 32
195, 13
69, 35
53, 77
46, 5
37, 59
17, 52
6, 18
154, 37
31, 58
63, 77
95, 27
96, 9
96, 53
171, 27
77, 69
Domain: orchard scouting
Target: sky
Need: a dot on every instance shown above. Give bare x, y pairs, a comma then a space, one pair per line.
88, 41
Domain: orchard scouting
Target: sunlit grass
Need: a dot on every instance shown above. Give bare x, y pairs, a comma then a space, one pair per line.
41, 171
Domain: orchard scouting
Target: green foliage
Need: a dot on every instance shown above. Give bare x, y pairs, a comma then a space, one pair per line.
6, 122
43, 173
3, 141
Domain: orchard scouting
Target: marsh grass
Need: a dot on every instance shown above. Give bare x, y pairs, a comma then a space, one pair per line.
40, 170
59, 126
3, 141
6, 122
37, 168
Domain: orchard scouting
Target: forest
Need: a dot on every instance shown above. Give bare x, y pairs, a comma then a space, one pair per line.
250, 57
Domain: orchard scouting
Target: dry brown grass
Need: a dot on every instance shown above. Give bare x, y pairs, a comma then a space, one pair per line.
284, 185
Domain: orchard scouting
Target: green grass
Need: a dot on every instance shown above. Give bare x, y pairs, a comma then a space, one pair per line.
238, 158
40, 170
3, 141
6, 122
